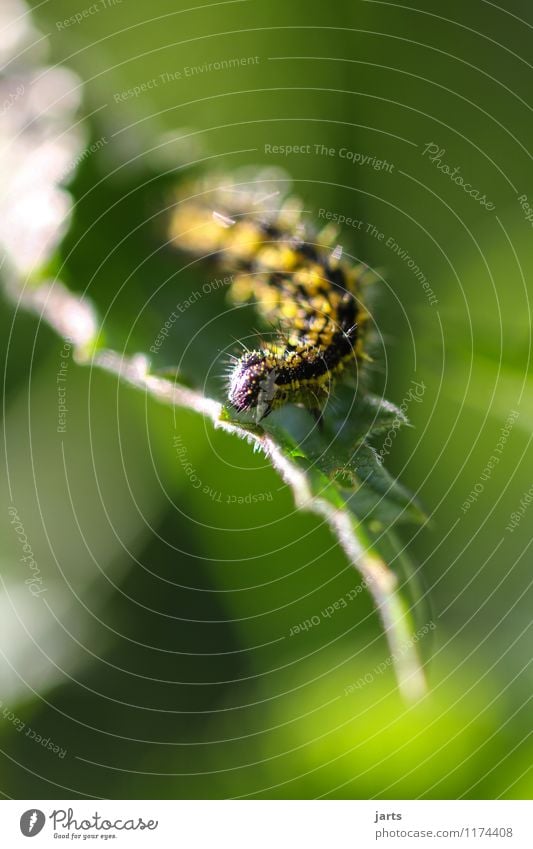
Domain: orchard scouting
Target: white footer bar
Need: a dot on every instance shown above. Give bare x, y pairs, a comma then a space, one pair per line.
267, 824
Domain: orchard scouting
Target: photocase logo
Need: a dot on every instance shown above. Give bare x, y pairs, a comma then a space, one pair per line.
32, 822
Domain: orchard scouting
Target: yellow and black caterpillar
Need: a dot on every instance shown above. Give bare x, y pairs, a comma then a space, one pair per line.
301, 286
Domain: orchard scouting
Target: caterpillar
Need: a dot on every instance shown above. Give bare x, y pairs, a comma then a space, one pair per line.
301, 285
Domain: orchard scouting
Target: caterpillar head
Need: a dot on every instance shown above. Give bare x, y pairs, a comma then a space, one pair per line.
252, 384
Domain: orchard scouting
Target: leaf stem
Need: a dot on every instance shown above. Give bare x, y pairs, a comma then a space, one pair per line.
380, 581
75, 319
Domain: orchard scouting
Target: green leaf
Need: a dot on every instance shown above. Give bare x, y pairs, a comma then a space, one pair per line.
341, 450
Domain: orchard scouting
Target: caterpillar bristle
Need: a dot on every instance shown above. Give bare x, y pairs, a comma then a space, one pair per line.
336, 254
224, 220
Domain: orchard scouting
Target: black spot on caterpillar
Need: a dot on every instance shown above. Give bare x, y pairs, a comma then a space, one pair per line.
301, 287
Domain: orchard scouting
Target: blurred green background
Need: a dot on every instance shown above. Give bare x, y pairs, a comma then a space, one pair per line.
160, 657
